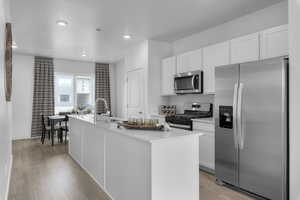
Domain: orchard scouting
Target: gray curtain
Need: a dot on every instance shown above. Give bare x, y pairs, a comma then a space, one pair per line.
43, 93
102, 85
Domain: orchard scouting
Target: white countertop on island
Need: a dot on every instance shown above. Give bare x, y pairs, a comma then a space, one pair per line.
144, 135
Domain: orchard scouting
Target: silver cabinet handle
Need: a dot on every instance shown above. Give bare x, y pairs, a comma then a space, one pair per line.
234, 116
240, 116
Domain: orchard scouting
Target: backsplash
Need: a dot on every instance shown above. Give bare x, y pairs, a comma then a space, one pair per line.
182, 100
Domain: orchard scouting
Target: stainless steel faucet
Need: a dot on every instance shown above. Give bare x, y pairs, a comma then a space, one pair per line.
107, 113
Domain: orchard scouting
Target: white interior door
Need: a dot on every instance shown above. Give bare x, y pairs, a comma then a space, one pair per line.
135, 93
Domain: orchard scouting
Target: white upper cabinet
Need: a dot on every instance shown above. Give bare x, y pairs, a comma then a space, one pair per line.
213, 56
216, 55
189, 61
274, 42
244, 49
168, 70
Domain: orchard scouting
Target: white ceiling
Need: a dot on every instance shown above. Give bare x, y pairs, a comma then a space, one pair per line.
35, 30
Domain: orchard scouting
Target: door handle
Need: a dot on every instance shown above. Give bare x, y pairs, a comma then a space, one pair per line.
240, 123
234, 116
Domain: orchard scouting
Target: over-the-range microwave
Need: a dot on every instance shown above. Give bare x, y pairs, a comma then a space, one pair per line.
189, 83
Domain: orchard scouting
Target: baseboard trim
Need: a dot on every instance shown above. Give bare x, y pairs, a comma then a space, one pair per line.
9, 177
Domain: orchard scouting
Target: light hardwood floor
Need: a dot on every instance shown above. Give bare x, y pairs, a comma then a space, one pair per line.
43, 172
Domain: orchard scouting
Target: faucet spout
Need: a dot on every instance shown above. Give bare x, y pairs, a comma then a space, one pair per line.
107, 113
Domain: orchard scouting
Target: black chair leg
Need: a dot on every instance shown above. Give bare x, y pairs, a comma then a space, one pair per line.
43, 137
66, 133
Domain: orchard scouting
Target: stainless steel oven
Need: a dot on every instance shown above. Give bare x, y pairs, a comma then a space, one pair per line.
188, 83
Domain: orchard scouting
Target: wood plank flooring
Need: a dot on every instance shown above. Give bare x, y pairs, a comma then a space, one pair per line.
43, 172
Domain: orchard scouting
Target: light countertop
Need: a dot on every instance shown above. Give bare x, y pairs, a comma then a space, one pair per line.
143, 135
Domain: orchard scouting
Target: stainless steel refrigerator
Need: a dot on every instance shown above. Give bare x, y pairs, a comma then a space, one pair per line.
251, 119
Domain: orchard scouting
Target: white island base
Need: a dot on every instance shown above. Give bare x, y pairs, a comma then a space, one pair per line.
137, 165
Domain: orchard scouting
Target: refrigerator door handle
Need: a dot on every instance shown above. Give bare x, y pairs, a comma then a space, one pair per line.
240, 120
234, 115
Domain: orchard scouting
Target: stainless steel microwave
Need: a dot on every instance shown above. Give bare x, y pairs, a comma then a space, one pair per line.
189, 83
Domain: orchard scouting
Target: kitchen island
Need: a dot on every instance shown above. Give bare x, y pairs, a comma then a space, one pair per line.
134, 164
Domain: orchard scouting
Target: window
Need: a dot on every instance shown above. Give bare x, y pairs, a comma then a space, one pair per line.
83, 85
64, 98
73, 92
84, 93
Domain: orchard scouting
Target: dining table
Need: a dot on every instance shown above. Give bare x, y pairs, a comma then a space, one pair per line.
53, 120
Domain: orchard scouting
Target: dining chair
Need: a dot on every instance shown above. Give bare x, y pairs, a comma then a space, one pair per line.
65, 126
46, 128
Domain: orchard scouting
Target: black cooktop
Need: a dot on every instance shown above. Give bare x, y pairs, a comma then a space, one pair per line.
186, 117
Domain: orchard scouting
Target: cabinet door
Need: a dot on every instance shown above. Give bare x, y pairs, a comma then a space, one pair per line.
93, 152
75, 146
274, 42
207, 151
168, 70
189, 61
245, 49
214, 55
206, 144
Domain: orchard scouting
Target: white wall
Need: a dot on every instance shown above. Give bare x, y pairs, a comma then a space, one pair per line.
257, 21
157, 51
22, 95
147, 55
5, 111
74, 67
294, 45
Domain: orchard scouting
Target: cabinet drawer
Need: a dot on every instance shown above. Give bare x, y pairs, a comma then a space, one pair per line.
204, 126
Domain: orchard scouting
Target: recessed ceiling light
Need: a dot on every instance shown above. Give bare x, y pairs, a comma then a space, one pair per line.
62, 23
14, 45
127, 37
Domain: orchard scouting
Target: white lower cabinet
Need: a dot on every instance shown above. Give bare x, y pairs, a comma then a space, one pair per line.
207, 151
206, 145
86, 146
93, 152
133, 168
75, 143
